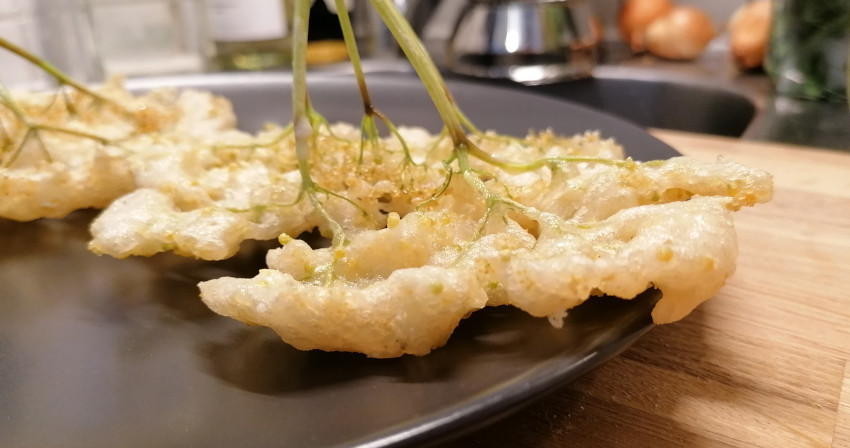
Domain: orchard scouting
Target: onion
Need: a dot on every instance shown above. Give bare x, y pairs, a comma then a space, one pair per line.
749, 32
682, 34
635, 17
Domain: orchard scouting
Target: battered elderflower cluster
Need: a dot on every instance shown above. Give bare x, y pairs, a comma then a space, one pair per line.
425, 229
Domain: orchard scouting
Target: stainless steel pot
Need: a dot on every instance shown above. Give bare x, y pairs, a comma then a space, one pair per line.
529, 41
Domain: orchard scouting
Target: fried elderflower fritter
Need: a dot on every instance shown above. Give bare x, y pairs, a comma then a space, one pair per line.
567, 233
425, 244
424, 229
73, 152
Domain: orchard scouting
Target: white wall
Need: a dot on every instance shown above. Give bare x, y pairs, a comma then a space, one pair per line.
17, 24
88, 39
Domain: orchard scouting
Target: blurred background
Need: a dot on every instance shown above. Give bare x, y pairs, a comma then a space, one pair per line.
94, 38
759, 69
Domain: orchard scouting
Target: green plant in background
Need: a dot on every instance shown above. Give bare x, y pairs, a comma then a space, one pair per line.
809, 48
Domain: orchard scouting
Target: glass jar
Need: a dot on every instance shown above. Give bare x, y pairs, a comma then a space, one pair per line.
808, 52
250, 34
144, 37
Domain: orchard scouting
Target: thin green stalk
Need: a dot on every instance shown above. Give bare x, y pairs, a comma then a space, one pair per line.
317, 121
438, 140
408, 158
74, 132
368, 133
462, 154
354, 204
301, 123
12, 105
31, 133
32, 130
484, 156
465, 121
353, 53
280, 137
440, 191
492, 200
5, 139
301, 120
369, 109
42, 147
424, 66
18, 149
54, 72
452, 117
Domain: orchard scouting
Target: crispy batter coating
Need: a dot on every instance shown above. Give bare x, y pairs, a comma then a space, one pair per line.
58, 168
238, 190
593, 229
685, 249
411, 311
424, 246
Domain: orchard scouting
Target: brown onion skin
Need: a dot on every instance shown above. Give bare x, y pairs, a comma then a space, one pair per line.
636, 15
749, 33
682, 34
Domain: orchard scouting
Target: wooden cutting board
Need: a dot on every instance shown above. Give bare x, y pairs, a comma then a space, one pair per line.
763, 364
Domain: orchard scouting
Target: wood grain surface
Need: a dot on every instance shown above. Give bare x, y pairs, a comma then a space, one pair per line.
762, 364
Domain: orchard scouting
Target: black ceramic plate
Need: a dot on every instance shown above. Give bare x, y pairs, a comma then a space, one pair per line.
99, 352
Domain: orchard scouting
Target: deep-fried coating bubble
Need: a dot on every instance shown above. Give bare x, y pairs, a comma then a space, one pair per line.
54, 172
423, 246
411, 311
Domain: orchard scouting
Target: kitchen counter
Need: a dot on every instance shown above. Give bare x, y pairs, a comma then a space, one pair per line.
778, 119
765, 363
